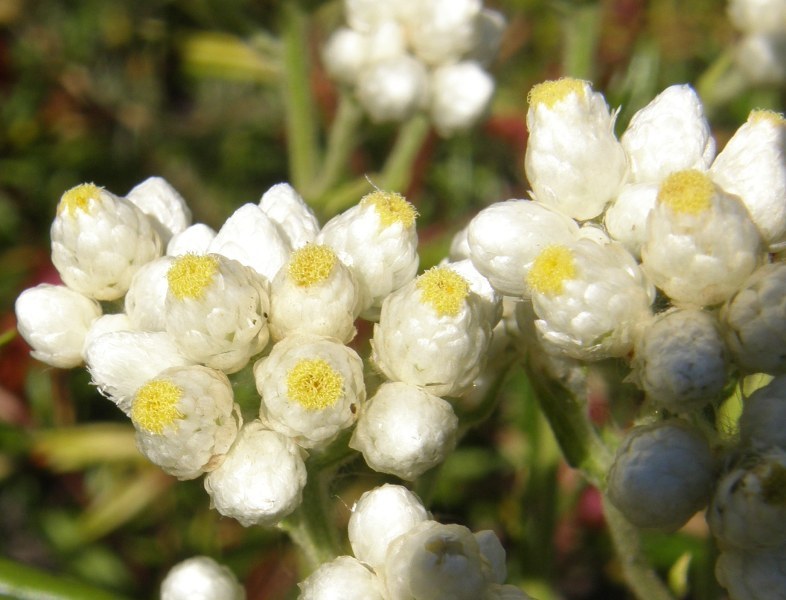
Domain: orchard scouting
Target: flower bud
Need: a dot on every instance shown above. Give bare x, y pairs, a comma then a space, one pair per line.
626, 218
54, 320
432, 333
574, 162
294, 219
186, 420
201, 578
216, 310
379, 517
99, 241
343, 577
146, 297
195, 239
393, 89
701, 244
460, 93
405, 431
312, 388
753, 575
378, 241
670, 134
163, 204
261, 479
661, 476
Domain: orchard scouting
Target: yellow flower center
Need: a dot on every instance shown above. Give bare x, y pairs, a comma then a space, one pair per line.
773, 117
155, 406
687, 192
314, 384
444, 289
391, 208
311, 264
190, 275
550, 269
550, 93
78, 198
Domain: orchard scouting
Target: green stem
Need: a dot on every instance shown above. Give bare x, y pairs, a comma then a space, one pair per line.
345, 195
341, 142
300, 114
567, 415
720, 83
312, 526
581, 32
397, 172
27, 583
639, 575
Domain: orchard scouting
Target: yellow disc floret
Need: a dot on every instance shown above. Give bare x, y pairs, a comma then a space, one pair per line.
444, 289
78, 198
391, 207
687, 192
311, 264
773, 117
550, 269
155, 406
190, 275
549, 93
314, 384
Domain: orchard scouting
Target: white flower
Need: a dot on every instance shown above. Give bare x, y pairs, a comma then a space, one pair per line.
433, 561
670, 134
146, 296
106, 324
662, 475
296, 222
701, 244
404, 430
761, 58
573, 161
626, 218
201, 578
344, 54
489, 28
393, 89
753, 575
763, 420
251, 238
379, 517
216, 310
505, 238
366, 15
120, 362
748, 510
459, 245
752, 166
99, 241
754, 320
758, 16
312, 388
680, 360
195, 239
378, 241
460, 93
159, 200
432, 333
54, 320
186, 420
261, 479
442, 31
343, 578
589, 298
315, 293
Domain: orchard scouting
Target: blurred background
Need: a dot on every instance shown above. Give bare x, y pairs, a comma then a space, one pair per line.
112, 92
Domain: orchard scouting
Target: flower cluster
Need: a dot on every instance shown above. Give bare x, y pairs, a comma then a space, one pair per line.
400, 552
614, 224
276, 296
402, 57
761, 50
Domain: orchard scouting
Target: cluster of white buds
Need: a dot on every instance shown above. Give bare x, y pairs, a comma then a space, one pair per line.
610, 224
404, 57
273, 294
400, 552
761, 50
